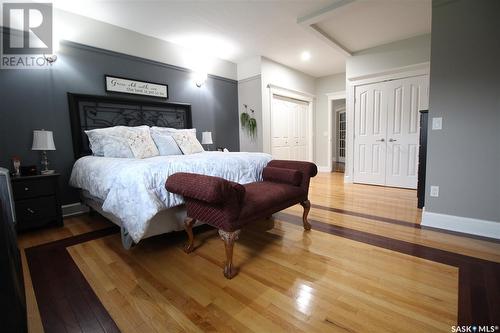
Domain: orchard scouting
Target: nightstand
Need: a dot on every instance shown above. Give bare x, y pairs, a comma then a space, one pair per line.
37, 201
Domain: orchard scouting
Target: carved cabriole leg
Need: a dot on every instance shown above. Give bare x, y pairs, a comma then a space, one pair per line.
229, 237
188, 225
307, 206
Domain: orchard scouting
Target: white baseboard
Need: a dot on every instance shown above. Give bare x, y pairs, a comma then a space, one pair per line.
462, 224
325, 169
74, 209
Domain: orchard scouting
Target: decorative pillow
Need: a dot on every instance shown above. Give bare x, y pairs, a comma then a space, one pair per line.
164, 142
187, 142
140, 141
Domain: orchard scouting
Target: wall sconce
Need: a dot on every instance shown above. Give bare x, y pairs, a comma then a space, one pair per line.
199, 78
50, 58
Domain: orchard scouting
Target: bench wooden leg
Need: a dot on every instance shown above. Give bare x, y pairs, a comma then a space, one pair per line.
188, 225
229, 237
307, 206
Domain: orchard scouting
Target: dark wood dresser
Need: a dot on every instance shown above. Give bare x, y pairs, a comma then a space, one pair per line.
37, 201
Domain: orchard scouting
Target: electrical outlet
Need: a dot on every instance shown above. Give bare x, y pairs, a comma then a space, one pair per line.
437, 123
434, 191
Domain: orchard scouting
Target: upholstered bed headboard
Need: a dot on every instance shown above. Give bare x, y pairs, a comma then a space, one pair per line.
91, 112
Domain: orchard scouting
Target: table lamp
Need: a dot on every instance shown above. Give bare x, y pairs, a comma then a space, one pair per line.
43, 140
206, 139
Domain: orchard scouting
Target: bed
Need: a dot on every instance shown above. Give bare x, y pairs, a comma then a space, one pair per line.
131, 192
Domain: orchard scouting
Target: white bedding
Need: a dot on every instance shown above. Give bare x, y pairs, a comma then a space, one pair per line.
134, 189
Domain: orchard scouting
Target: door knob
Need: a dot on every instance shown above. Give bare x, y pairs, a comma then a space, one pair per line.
392, 140
381, 140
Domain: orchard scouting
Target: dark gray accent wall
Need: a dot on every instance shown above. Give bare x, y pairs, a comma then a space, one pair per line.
36, 99
463, 158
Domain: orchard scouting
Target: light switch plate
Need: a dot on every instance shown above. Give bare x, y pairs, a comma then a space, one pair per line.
437, 123
434, 191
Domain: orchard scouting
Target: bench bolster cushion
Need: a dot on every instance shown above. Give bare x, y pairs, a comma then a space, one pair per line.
281, 175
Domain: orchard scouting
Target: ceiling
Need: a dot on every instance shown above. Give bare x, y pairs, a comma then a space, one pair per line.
238, 30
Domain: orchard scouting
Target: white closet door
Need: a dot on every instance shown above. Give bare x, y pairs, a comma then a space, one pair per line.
300, 132
370, 120
280, 130
289, 126
406, 97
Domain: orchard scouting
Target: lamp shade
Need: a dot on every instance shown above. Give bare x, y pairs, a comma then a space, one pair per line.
43, 140
206, 138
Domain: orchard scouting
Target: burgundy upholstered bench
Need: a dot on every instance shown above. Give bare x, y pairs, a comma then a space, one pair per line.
229, 206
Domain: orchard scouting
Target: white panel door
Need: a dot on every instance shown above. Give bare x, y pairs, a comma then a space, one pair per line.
289, 129
280, 130
370, 121
406, 97
299, 142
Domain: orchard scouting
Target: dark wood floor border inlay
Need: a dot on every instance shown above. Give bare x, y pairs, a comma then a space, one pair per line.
403, 223
479, 279
65, 299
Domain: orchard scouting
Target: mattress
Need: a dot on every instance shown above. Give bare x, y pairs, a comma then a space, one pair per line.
134, 189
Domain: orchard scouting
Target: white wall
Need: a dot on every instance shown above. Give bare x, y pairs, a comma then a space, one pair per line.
285, 77
323, 86
83, 30
249, 68
378, 59
250, 93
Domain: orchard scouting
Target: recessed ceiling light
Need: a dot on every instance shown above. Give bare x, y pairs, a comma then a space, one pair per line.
305, 56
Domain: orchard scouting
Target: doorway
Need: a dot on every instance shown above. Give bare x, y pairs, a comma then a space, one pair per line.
339, 135
337, 131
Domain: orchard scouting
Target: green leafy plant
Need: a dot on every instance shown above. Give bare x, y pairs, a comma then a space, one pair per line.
244, 119
248, 123
252, 127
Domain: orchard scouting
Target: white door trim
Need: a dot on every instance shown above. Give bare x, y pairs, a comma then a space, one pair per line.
333, 96
294, 94
390, 74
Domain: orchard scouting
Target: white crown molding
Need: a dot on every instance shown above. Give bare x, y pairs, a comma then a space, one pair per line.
462, 224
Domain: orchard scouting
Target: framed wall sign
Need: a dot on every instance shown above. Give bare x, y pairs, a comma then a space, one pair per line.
129, 86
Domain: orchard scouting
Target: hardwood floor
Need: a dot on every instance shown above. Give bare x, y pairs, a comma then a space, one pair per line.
365, 266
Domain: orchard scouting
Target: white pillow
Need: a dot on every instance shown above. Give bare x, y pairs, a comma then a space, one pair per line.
96, 137
164, 142
187, 142
138, 139
170, 130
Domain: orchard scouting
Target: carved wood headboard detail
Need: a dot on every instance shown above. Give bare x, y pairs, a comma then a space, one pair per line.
90, 112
